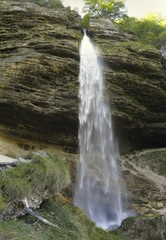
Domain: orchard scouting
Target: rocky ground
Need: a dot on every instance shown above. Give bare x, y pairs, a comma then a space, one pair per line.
145, 176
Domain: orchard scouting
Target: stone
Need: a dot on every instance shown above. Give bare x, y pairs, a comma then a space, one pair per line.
163, 58
158, 205
103, 23
146, 181
144, 228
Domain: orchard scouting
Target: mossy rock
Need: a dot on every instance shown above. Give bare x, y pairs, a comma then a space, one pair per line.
143, 228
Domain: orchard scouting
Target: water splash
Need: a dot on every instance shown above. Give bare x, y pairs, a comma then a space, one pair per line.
98, 188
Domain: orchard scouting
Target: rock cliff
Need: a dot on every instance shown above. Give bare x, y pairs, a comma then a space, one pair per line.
136, 86
39, 70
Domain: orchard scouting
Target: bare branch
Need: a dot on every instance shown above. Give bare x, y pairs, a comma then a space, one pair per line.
36, 215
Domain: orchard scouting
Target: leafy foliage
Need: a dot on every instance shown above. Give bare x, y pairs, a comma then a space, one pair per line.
149, 30
162, 38
112, 9
85, 20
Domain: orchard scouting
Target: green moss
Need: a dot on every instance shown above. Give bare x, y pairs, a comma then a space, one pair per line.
138, 46
40, 174
2, 86
162, 169
125, 48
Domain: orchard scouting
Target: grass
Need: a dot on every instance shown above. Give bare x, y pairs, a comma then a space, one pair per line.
41, 174
72, 224
2, 202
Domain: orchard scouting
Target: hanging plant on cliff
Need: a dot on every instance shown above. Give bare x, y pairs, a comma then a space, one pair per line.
113, 9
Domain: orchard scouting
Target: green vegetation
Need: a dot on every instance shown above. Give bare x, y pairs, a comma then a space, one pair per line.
41, 174
2, 202
44, 173
49, 3
72, 225
85, 21
138, 47
149, 30
105, 8
50, 174
162, 169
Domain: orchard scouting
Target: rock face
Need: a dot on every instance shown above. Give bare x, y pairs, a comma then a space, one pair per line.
163, 57
146, 228
144, 174
38, 72
136, 83
39, 50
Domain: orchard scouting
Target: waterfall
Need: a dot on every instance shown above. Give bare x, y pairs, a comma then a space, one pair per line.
98, 187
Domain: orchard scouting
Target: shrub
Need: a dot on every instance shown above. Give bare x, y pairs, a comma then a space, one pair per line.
148, 30
86, 20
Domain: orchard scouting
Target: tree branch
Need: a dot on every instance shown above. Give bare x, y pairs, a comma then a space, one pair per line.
36, 215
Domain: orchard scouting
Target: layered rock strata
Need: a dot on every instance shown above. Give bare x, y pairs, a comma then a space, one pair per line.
136, 85
39, 71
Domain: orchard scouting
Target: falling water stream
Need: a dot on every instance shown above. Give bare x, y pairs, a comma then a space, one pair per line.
98, 188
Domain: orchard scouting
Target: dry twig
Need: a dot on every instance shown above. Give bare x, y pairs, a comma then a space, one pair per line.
36, 215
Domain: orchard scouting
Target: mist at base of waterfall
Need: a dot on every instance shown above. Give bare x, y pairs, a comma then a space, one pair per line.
98, 186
